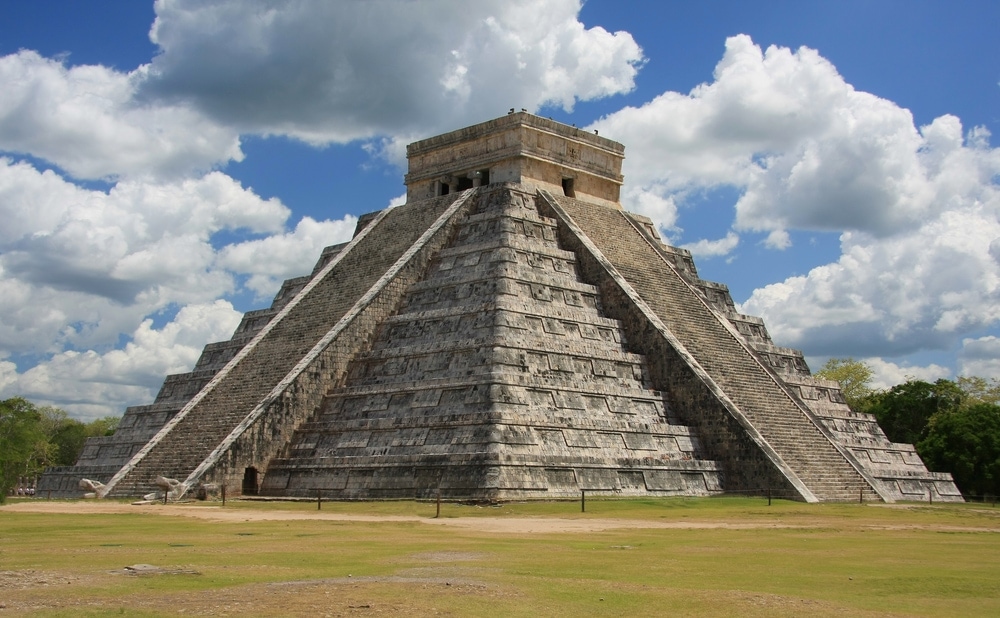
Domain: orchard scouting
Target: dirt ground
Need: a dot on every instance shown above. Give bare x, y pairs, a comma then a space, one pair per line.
501, 525
508, 525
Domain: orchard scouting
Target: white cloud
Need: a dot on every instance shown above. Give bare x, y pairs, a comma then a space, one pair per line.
807, 150
363, 69
90, 384
918, 208
980, 357
892, 296
778, 239
82, 270
886, 374
649, 202
77, 266
399, 200
713, 248
283, 256
85, 120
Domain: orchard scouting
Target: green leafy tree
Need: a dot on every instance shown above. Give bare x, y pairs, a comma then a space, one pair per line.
24, 448
68, 440
855, 379
104, 426
965, 441
904, 410
68, 435
65, 434
981, 390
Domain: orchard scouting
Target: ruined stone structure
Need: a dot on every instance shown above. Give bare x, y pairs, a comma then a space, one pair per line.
508, 333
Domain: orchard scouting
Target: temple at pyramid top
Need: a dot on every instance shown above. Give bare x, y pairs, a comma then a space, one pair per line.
510, 332
520, 148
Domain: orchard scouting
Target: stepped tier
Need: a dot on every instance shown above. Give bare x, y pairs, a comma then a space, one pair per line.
492, 340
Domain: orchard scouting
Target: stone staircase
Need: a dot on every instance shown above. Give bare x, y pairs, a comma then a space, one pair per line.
104, 456
257, 374
784, 424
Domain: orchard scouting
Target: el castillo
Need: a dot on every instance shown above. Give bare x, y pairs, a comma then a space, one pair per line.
509, 333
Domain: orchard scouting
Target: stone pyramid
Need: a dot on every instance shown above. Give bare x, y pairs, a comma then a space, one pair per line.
508, 333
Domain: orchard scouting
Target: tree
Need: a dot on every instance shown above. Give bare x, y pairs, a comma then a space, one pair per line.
965, 441
67, 435
68, 440
104, 426
978, 389
904, 410
854, 376
24, 447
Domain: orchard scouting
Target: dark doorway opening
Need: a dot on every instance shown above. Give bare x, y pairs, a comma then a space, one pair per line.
250, 482
464, 183
567, 184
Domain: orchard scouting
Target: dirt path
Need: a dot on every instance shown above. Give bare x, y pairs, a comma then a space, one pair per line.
508, 525
504, 525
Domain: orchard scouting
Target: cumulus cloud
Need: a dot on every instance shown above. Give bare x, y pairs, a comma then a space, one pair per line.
83, 270
283, 256
917, 207
806, 149
778, 239
77, 265
917, 290
339, 71
713, 248
980, 357
650, 202
886, 374
90, 384
86, 120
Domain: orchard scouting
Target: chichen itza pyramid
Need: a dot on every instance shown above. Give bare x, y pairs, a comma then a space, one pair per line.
508, 333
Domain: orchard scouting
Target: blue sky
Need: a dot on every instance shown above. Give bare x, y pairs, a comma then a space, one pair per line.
833, 163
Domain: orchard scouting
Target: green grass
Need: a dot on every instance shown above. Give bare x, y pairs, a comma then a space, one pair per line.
796, 559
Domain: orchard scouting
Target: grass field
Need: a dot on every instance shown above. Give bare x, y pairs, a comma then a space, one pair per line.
687, 557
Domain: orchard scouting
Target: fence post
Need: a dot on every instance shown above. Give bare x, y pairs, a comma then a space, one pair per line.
583, 500
319, 499
768, 496
437, 512
223, 494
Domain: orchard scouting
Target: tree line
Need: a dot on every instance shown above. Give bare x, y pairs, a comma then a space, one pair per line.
35, 437
954, 424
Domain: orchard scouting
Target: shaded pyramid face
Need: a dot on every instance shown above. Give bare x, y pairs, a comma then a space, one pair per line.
498, 378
